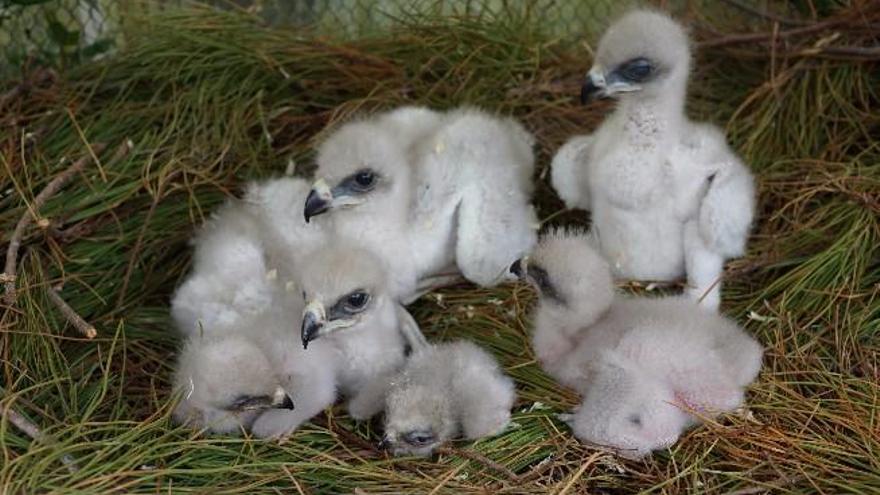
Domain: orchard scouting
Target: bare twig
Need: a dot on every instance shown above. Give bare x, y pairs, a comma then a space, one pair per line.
481, 459
8, 277
349, 437
160, 191
9, 272
766, 15
740, 38
72, 316
31, 430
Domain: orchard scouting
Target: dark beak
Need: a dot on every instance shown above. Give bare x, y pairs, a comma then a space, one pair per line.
311, 326
516, 268
287, 403
384, 444
261, 402
315, 205
589, 91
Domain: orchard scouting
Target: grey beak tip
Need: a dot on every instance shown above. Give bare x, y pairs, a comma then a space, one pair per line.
288, 403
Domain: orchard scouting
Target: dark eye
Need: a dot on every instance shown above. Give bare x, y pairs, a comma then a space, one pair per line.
418, 438
637, 70
635, 420
356, 300
365, 179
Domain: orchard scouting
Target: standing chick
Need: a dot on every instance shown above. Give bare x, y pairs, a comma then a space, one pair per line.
668, 196
641, 363
446, 390
453, 195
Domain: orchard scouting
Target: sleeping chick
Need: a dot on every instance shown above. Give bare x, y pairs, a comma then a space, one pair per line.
445, 391
631, 356
225, 382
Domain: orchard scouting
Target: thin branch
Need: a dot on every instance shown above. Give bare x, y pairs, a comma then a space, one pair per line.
739, 38
480, 459
160, 191
8, 277
31, 430
71, 315
764, 14
9, 272
349, 437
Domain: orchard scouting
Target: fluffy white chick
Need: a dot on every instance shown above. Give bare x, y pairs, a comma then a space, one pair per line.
631, 357
453, 198
668, 196
237, 254
225, 382
445, 391
227, 282
353, 338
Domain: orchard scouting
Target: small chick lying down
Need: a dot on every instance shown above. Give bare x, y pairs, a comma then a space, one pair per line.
646, 367
225, 383
445, 391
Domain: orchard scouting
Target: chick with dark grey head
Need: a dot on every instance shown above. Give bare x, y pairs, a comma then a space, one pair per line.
647, 367
668, 196
445, 391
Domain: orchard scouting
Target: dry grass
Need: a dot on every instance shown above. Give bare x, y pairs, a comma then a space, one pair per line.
210, 99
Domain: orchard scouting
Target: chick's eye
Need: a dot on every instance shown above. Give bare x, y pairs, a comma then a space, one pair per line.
357, 300
418, 438
365, 178
637, 70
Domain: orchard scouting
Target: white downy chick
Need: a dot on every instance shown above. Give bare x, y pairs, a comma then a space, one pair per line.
238, 254
668, 196
227, 282
452, 195
353, 338
225, 382
445, 391
630, 356
363, 177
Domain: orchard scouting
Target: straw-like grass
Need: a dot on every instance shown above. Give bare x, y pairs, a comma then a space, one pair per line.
208, 99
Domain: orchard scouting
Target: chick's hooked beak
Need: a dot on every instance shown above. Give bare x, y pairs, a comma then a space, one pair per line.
385, 443
519, 268
594, 86
278, 400
314, 321
319, 200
